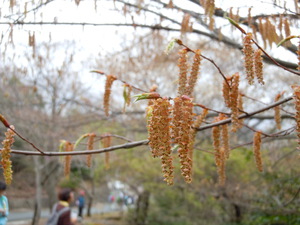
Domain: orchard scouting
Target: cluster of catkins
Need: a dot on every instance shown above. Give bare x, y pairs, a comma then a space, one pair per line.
252, 61
233, 98
172, 124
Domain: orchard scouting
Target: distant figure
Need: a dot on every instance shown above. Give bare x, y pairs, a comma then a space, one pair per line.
80, 203
3, 204
111, 198
65, 196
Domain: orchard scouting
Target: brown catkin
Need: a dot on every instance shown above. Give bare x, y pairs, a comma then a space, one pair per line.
234, 94
280, 24
277, 114
241, 109
221, 167
185, 23
225, 136
200, 118
6, 154
183, 69
68, 159
185, 139
226, 91
106, 142
248, 57
296, 89
90, 146
262, 31
256, 150
194, 73
152, 89
216, 132
286, 27
109, 81
182, 133
160, 137
249, 19
298, 54
258, 66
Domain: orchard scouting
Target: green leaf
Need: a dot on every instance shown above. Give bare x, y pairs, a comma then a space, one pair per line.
170, 46
80, 139
287, 39
234, 23
152, 95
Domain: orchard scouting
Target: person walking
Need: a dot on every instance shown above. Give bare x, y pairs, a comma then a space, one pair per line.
62, 209
4, 209
80, 203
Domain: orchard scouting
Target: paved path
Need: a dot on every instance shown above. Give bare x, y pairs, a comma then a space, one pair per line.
24, 216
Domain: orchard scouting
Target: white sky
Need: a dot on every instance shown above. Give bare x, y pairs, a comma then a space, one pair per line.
91, 40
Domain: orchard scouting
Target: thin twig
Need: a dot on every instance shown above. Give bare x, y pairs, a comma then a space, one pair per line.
245, 115
208, 59
29, 142
84, 152
124, 82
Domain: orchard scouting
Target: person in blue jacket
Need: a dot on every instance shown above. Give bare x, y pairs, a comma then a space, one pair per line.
3, 204
80, 203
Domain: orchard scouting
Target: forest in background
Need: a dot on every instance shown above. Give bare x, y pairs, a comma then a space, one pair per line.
50, 95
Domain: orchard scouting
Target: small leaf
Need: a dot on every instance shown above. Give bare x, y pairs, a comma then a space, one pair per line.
152, 95
234, 23
170, 46
287, 39
62, 145
80, 139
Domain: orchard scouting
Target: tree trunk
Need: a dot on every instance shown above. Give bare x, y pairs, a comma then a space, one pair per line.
141, 210
38, 195
89, 206
50, 181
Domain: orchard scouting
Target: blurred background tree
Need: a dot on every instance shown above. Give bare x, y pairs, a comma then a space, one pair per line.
49, 94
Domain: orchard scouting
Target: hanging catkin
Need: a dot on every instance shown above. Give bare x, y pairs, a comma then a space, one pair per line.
160, 136
256, 150
5, 155
277, 114
194, 73
109, 81
68, 159
216, 132
226, 90
225, 136
221, 167
296, 89
183, 69
258, 66
182, 133
298, 54
106, 143
90, 146
234, 94
248, 57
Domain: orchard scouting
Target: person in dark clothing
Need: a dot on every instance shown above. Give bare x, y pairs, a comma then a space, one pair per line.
65, 196
80, 203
